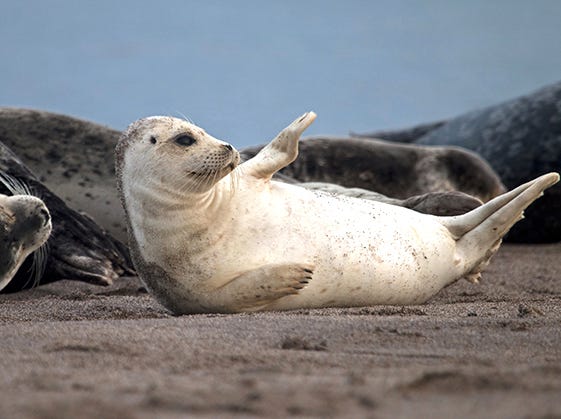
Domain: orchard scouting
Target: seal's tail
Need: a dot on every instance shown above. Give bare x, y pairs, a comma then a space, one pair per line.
478, 233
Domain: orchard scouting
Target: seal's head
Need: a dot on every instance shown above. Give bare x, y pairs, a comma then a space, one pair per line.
25, 224
173, 154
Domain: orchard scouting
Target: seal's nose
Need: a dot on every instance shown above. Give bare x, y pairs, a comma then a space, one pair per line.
227, 146
46, 216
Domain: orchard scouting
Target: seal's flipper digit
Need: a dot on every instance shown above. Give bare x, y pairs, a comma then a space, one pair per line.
280, 152
89, 269
255, 289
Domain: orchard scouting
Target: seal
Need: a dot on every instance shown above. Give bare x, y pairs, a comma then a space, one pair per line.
435, 203
71, 157
395, 170
209, 235
520, 138
25, 225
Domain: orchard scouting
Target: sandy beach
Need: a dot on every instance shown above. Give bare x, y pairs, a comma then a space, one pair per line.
490, 350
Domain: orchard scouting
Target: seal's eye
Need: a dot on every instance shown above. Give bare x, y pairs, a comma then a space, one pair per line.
185, 140
153, 140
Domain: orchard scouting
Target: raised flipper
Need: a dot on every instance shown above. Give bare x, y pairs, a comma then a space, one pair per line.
280, 152
255, 289
479, 232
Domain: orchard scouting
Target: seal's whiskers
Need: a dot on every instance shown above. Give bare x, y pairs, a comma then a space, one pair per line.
14, 185
38, 265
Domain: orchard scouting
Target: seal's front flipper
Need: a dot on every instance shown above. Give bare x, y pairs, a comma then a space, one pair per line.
255, 289
280, 152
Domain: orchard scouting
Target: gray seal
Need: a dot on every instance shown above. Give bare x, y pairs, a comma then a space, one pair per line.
520, 138
394, 170
25, 226
71, 157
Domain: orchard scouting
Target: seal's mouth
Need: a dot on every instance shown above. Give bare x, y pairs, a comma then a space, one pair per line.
235, 160
201, 173
211, 172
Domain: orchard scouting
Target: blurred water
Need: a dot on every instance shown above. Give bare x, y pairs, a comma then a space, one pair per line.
244, 69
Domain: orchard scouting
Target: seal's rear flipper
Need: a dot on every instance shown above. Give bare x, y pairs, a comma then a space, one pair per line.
280, 152
479, 232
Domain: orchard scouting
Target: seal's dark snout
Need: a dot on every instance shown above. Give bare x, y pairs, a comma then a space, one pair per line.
227, 147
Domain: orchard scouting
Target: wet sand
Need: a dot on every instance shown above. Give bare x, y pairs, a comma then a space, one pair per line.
491, 350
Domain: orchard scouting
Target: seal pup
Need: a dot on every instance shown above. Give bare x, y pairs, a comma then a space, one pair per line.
209, 235
25, 226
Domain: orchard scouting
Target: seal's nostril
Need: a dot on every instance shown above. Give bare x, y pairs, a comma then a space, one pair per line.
228, 146
45, 214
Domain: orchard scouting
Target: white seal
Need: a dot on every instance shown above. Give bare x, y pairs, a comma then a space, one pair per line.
209, 235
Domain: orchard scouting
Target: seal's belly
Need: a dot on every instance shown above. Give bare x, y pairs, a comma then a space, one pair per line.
364, 252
